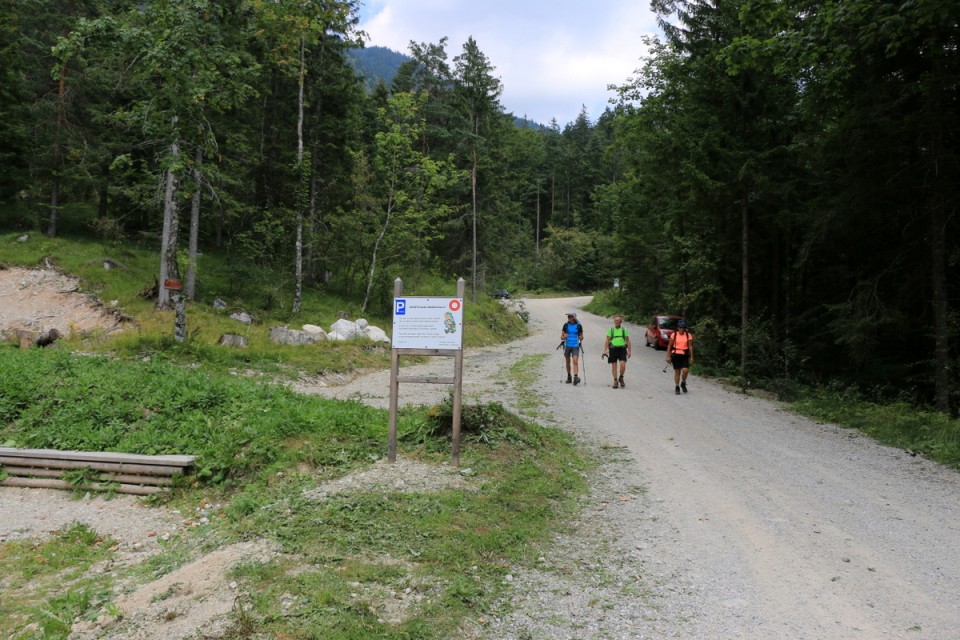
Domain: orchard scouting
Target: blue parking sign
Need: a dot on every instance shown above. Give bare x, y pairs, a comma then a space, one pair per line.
399, 306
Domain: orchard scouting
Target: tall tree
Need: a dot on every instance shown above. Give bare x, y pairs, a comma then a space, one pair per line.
295, 28
478, 100
186, 60
398, 187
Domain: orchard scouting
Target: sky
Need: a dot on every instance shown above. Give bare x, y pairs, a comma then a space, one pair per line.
553, 57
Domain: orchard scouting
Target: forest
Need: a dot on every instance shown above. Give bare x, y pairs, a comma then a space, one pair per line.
785, 174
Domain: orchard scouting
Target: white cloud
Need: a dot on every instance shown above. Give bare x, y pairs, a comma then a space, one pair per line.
552, 57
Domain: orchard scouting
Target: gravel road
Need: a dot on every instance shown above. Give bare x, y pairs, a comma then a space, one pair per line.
718, 515
713, 516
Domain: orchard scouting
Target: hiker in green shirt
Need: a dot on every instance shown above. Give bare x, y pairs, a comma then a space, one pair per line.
617, 348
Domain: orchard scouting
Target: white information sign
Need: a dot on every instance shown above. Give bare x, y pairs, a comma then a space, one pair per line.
427, 323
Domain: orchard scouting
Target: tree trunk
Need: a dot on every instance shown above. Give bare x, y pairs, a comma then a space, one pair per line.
941, 311
57, 169
191, 283
298, 267
538, 224
171, 226
745, 276
103, 206
54, 206
473, 186
312, 220
373, 259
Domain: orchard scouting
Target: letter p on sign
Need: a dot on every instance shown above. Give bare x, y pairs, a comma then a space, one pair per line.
399, 307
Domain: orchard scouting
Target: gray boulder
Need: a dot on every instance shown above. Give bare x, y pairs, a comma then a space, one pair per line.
232, 340
315, 331
283, 335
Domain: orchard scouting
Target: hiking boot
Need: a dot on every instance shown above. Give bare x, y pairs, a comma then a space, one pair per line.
569, 379
576, 380
615, 385
683, 385
676, 390
621, 382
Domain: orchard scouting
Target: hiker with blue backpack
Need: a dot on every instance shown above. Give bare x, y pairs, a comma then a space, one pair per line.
571, 337
617, 348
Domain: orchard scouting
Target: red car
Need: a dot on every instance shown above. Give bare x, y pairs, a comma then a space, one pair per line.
659, 330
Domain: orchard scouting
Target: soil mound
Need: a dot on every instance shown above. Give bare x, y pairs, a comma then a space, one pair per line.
39, 300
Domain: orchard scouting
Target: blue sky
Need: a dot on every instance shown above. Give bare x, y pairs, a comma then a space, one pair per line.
552, 56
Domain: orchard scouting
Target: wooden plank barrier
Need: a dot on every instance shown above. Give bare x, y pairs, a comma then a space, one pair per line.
120, 472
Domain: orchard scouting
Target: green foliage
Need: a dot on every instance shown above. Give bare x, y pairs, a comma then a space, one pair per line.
898, 424
234, 426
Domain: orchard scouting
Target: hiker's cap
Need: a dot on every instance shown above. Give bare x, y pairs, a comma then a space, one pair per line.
571, 315
682, 323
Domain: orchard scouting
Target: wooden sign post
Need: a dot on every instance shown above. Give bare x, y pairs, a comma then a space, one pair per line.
426, 326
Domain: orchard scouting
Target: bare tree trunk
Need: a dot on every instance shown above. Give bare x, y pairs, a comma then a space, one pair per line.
538, 224
473, 186
52, 228
298, 268
171, 227
373, 259
312, 219
194, 227
54, 205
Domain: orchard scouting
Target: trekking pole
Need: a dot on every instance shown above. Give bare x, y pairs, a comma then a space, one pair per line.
563, 369
583, 360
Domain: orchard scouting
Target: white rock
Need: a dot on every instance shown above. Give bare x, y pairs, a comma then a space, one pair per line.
362, 324
377, 334
346, 329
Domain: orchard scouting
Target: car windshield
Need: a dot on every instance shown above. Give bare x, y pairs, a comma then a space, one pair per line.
668, 323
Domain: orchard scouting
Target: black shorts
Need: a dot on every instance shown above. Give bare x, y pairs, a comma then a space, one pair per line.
571, 351
680, 361
617, 354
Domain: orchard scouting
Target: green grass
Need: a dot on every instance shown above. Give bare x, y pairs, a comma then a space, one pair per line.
930, 433
259, 447
49, 584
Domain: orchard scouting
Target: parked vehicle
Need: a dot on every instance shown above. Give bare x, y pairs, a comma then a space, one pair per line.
501, 294
659, 330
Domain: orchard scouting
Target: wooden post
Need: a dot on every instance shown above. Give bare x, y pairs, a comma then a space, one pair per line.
457, 387
394, 388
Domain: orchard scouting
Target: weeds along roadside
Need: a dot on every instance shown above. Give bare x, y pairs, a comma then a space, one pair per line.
371, 563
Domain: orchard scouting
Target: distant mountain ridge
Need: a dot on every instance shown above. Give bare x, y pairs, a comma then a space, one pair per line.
380, 63
377, 63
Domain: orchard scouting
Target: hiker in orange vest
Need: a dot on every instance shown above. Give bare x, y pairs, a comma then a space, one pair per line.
680, 353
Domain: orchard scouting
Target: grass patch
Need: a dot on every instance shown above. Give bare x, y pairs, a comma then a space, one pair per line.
235, 426
930, 433
49, 584
375, 563
389, 564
